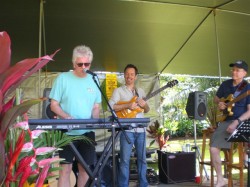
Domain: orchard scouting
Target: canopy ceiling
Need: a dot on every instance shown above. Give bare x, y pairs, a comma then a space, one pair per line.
195, 37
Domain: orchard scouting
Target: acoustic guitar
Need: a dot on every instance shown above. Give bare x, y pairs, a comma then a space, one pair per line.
221, 115
127, 113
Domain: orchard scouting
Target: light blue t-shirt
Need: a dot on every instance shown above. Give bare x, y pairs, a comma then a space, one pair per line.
76, 96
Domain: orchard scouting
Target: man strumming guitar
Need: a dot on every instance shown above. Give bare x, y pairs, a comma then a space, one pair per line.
137, 136
236, 86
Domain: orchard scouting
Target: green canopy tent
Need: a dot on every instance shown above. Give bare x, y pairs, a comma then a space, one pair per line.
197, 37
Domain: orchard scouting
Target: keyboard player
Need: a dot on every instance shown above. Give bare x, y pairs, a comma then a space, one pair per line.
74, 95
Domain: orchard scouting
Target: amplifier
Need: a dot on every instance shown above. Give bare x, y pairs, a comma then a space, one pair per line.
176, 167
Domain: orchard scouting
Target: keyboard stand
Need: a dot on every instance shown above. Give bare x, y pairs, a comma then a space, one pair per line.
94, 176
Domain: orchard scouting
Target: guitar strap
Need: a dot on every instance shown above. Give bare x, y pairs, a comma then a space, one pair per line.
136, 92
240, 88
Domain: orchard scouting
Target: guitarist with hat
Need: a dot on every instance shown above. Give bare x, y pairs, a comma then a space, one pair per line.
233, 113
119, 101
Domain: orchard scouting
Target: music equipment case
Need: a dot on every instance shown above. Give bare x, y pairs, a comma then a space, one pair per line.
176, 167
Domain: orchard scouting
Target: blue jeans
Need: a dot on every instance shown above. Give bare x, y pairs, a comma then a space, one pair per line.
139, 140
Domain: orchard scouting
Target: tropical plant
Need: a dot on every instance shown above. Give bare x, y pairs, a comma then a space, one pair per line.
27, 163
58, 139
158, 133
18, 155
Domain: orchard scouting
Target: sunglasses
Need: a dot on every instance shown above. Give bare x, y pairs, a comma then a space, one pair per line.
85, 64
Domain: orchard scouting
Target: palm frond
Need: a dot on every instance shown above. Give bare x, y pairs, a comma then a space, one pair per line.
57, 138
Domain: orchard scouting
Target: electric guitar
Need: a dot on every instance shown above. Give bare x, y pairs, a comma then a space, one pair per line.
221, 115
127, 113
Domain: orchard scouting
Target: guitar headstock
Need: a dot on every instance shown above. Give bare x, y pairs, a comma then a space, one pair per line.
172, 83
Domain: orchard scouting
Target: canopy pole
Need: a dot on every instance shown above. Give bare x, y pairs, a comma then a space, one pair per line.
40, 52
217, 45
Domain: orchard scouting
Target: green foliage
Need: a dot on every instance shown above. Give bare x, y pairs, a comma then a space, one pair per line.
171, 125
186, 128
175, 100
57, 138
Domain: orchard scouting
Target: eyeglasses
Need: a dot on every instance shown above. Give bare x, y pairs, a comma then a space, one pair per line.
85, 64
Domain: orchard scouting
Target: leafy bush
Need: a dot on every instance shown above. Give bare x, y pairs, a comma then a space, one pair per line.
186, 128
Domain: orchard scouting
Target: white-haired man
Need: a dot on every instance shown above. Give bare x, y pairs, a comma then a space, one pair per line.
75, 95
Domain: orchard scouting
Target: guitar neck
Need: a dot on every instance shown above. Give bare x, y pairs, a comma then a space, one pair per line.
238, 98
155, 92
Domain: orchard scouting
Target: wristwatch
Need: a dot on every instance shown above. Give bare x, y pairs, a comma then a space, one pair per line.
239, 120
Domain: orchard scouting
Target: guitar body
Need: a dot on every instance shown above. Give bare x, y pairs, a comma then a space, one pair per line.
127, 113
221, 115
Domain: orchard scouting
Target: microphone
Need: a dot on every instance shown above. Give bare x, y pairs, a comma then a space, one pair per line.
90, 72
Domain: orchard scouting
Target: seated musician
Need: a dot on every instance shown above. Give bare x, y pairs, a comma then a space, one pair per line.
137, 136
75, 95
234, 87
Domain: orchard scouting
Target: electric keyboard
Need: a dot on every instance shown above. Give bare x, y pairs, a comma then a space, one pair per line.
99, 123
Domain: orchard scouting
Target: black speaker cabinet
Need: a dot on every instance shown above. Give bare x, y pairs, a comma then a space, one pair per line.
196, 107
46, 111
176, 167
107, 172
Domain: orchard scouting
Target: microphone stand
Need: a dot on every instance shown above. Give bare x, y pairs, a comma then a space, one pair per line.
113, 118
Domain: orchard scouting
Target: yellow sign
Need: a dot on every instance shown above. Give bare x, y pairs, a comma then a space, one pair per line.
111, 84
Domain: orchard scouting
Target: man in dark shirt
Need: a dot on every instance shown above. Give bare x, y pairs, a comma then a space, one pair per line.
241, 111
